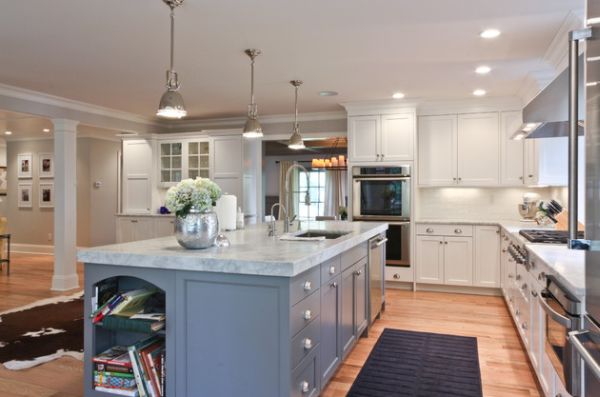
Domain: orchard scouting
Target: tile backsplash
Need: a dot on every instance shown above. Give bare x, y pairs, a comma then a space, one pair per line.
476, 203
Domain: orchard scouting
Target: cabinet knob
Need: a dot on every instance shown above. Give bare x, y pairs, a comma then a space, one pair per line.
332, 270
459, 179
518, 277
458, 231
521, 178
441, 242
396, 276
134, 221
524, 326
429, 230
503, 250
358, 272
524, 287
454, 179
333, 285
307, 343
518, 312
378, 157
307, 286
307, 315
510, 275
541, 276
304, 386
382, 156
534, 294
530, 175
445, 242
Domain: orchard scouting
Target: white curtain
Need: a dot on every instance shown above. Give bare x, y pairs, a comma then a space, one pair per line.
335, 192
284, 165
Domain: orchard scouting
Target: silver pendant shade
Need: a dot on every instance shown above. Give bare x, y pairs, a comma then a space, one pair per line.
296, 142
171, 103
252, 129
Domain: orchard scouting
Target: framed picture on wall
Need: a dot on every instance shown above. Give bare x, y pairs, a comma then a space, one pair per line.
46, 192
3, 183
24, 195
46, 165
25, 165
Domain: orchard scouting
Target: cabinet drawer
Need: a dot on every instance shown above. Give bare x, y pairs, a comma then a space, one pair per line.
445, 230
305, 377
305, 342
330, 269
394, 273
353, 255
304, 312
304, 285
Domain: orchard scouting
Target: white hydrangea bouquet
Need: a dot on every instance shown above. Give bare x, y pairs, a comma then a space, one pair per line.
200, 194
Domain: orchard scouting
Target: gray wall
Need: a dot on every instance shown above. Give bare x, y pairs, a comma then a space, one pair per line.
96, 208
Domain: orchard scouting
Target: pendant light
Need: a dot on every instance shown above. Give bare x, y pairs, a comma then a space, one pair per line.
252, 129
296, 142
171, 103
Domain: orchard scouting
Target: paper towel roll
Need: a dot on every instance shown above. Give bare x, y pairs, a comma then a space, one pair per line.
226, 211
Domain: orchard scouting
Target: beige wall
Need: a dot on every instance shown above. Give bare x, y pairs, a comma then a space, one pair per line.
96, 208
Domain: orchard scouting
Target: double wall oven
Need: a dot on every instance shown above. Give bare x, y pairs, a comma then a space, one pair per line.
383, 194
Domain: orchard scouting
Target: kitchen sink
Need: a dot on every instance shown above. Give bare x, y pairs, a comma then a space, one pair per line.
321, 233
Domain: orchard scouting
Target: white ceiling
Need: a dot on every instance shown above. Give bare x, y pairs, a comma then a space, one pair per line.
114, 53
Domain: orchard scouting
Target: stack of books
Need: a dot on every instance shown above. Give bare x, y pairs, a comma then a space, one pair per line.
137, 370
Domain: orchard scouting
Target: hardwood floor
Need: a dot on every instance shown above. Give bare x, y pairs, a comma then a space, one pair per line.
504, 365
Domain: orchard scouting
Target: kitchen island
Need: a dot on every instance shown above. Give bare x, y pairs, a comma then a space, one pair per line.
263, 317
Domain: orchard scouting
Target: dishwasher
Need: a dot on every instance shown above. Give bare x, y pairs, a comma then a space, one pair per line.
376, 275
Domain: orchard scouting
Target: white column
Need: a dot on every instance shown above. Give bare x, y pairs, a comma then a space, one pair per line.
65, 205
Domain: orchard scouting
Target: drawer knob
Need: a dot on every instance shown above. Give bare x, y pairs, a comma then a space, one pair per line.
524, 287
307, 344
510, 275
332, 270
396, 276
304, 386
518, 312
530, 175
534, 294
307, 315
441, 242
429, 230
458, 231
518, 277
358, 272
504, 250
307, 286
333, 285
524, 326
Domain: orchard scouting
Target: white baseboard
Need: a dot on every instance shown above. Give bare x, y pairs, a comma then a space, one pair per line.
32, 249
460, 289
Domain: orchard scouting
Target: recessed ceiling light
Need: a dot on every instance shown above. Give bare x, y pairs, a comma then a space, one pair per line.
479, 92
483, 69
328, 93
398, 95
46, 130
7, 132
490, 34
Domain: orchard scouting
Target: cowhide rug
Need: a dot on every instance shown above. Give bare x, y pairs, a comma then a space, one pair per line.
42, 331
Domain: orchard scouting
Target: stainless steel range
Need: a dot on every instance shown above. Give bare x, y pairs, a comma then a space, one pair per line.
542, 236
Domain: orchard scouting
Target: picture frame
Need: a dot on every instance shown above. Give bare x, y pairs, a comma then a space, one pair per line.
3, 181
24, 165
25, 195
46, 194
46, 161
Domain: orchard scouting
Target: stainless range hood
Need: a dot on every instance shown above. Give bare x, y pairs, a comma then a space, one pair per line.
546, 116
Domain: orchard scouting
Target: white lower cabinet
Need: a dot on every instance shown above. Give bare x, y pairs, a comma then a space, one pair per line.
487, 258
458, 260
137, 228
430, 259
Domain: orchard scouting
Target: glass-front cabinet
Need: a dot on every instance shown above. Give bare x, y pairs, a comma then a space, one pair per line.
183, 159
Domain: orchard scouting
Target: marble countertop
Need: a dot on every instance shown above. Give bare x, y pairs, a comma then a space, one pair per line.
567, 265
251, 251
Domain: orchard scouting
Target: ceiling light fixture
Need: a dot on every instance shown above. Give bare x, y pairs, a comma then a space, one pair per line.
490, 34
479, 92
7, 132
171, 103
483, 69
46, 130
252, 129
296, 142
398, 95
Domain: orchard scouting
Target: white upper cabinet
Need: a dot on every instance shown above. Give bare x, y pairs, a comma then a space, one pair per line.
478, 149
227, 169
381, 138
397, 137
512, 152
437, 150
137, 176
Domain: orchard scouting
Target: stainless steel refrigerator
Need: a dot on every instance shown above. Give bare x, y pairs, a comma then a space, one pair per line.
587, 341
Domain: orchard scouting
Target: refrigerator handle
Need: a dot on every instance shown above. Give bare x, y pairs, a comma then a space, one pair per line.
574, 38
592, 364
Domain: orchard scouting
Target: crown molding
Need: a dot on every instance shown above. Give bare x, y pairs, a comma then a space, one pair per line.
469, 105
557, 54
380, 106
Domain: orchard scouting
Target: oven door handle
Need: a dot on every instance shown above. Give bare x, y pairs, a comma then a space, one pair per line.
593, 365
559, 318
386, 178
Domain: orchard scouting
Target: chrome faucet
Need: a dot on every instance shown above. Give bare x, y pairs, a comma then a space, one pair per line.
272, 226
286, 224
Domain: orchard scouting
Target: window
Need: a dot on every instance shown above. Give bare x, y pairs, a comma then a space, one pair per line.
317, 195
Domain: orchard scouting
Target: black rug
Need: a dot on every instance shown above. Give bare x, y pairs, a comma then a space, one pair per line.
41, 332
419, 364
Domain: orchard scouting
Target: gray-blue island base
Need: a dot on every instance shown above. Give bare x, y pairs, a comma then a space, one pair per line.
246, 335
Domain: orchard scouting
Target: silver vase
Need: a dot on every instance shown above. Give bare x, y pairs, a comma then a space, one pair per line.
197, 230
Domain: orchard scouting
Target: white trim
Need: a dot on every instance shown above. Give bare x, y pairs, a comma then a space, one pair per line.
459, 289
364, 108
37, 249
557, 53
470, 105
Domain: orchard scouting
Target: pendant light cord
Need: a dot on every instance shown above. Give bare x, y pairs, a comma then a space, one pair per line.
296, 110
252, 83
172, 39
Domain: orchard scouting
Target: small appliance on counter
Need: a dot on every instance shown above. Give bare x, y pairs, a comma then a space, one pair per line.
528, 208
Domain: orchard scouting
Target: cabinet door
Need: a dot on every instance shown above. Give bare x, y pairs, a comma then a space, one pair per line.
347, 313
512, 152
363, 136
360, 297
164, 227
137, 181
531, 161
125, 230
227, 169
143, 229
437, 150
478, 149
430, 260
397, 137
331, 348
487, 256
458, 260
